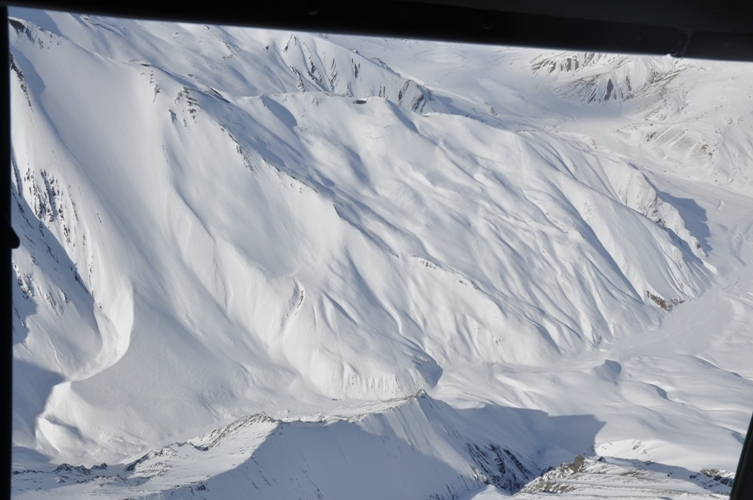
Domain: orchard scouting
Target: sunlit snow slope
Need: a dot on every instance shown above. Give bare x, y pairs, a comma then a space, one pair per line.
430, 268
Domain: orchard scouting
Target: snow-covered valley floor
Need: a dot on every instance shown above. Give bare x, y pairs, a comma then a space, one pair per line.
259, 264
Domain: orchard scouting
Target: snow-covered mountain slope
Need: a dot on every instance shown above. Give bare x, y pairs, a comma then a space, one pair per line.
407, 441
591, 479
221, 222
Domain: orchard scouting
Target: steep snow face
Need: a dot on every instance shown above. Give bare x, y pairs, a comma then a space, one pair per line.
317, 227
220, 222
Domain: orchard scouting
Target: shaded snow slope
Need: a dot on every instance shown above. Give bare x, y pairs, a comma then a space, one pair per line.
412, 448
221, 222
408, 442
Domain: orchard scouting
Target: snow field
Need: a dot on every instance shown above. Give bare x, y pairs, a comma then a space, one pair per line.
220, 222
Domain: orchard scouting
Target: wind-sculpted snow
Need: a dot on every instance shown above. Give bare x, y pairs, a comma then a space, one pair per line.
221, 222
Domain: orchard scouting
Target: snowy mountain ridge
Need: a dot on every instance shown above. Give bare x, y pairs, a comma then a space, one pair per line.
596, 78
